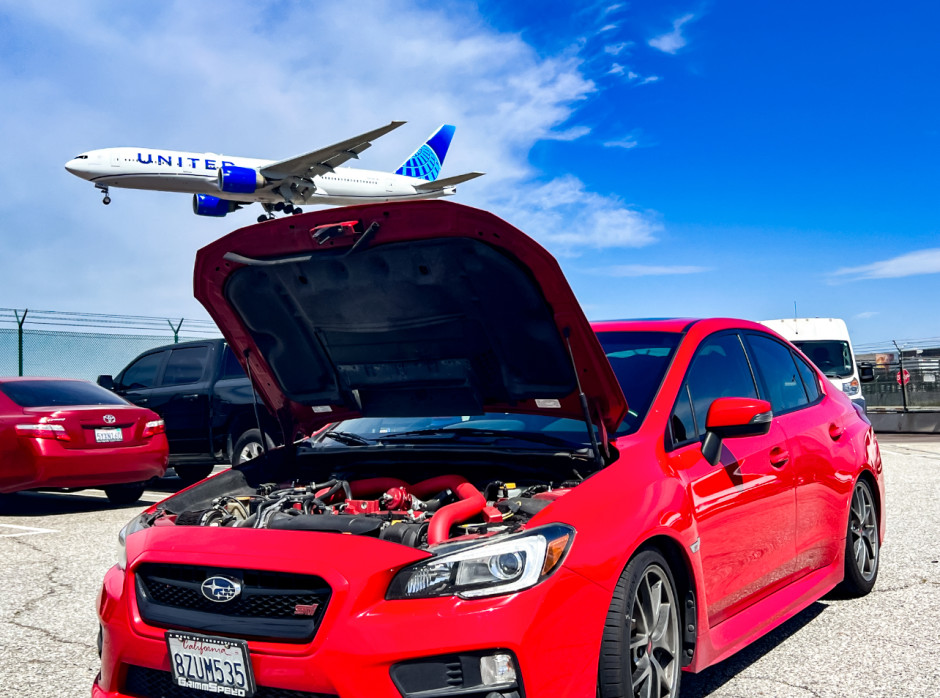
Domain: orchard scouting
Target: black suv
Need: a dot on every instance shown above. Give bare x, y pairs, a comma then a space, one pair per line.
206, 400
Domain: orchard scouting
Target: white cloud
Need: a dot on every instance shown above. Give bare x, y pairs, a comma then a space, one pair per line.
570, 220
649, 79
607, 28
867, 315
672, 41
617, 49
910, 264
626, 143
266, 91
616, 69
650, 270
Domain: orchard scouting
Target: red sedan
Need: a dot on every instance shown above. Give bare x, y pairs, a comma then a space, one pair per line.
58, 433
511, 502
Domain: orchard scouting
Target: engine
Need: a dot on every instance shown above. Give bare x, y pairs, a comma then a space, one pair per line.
206, 205
417, 515
239, 180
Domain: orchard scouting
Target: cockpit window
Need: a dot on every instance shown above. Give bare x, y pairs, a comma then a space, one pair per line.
80, 157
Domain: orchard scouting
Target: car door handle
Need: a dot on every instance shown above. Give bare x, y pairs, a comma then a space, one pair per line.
835, 431
779, 456
190, 398
140, 400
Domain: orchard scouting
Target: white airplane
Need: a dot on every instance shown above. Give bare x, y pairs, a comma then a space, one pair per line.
222, 184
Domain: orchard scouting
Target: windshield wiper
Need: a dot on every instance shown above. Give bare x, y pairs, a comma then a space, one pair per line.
347, 438
458, 432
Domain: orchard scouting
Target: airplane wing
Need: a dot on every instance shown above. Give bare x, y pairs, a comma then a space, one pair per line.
447, 182
324, 160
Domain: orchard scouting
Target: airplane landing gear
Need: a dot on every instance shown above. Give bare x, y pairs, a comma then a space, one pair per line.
286, 208
104, 190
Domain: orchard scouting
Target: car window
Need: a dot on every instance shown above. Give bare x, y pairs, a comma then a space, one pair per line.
810, 380
230, 366
682, 423
718, 369
64, 393
639, 360
143, 372
781, 379
185, 365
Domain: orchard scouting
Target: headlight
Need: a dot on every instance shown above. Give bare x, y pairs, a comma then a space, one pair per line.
138, 523
850, 387
502, 566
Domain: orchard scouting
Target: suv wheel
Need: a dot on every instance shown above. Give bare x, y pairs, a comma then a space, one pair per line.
249, 447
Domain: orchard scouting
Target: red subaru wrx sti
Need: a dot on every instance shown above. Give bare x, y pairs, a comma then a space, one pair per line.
61, 433
510, 502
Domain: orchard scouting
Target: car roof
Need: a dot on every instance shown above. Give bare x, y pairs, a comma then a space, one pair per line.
17, 379
678, 325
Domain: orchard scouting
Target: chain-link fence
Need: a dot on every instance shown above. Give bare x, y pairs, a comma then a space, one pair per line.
911, 382
84, 345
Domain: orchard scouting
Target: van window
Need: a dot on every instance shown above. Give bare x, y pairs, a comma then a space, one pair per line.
831, 356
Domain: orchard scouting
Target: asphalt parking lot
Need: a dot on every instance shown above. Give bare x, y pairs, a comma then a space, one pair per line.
56, 548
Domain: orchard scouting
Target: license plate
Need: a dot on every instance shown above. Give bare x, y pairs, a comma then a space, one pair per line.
212, 664
105, 436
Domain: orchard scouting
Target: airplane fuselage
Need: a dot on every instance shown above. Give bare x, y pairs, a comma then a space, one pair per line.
197, 173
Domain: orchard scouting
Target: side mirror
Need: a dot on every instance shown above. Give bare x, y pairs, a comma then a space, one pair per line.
734, 417
866, 372
106, 381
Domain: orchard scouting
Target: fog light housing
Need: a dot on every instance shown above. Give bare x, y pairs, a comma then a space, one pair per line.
497, 669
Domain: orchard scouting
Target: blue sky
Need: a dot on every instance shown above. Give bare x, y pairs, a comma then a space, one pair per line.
680, 158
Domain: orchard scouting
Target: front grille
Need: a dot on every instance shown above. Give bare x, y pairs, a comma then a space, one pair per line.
152, 683
267, 608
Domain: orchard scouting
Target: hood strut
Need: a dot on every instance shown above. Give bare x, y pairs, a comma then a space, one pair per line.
588, 420
254, 404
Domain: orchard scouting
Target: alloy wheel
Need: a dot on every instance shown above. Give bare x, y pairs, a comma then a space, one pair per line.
654, 637
863, 529
250, 450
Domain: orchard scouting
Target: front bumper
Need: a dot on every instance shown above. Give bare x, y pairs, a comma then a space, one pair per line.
552, 630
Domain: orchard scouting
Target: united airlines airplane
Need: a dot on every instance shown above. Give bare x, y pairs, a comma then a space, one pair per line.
222, 184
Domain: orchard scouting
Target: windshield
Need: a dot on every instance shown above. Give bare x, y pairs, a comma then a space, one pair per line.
831, 356
639, 360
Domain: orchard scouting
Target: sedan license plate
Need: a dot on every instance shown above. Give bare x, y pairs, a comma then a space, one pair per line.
105, 436
213, 664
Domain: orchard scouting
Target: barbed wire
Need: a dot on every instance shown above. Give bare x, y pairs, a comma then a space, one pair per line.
13, 317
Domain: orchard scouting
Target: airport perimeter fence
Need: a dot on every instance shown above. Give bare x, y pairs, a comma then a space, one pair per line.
85, 345
913, 383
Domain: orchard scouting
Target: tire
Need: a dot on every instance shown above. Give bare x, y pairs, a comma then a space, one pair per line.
125, 494
642, 655
248, 447
862, 543
190, 474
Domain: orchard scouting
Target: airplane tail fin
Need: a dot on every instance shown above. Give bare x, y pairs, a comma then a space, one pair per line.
426, 161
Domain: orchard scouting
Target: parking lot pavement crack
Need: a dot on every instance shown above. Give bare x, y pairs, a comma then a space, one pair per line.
905, 587
48, 634
52, 587
797, 686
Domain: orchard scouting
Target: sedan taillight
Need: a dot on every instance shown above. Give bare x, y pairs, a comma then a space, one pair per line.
43, 431
153, 428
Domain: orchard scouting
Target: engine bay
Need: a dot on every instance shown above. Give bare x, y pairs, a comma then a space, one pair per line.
419, 515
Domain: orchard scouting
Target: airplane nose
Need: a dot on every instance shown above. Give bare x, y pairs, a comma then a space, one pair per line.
76, 167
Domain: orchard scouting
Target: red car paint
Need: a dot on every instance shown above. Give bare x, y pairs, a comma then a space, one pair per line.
757, 538
71, 457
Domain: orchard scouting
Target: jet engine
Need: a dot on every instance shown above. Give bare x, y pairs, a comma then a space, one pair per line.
206, 205
239, 180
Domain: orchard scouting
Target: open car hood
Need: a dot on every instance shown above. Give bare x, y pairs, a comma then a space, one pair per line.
422, 308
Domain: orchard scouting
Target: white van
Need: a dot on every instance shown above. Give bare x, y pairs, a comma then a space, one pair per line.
826, 342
